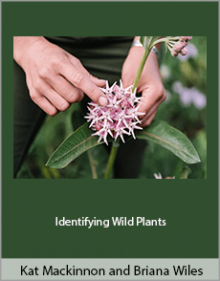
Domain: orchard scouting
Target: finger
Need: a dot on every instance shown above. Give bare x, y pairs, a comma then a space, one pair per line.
127, 83
149, 116
56, 100
154, 108
70, 93
99, 82
151, 98
95, 80
43, 103
150, 112
147, 122
81, 81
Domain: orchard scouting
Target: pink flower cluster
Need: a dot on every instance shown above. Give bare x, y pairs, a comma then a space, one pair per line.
177, 45
120, 116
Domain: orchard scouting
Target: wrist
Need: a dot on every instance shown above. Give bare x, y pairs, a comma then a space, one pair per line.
136, 43
21, 44
137, 39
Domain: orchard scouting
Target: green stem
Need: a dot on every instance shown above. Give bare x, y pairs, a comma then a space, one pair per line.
147, 50
92, 165
140, 68
185, 172
111, 159
115, 144
161, 40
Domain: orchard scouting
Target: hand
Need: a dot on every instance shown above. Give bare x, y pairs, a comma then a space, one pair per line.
150, 84
55, 78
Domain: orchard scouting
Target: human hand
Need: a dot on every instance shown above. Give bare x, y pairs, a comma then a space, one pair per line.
55, 78
150, 84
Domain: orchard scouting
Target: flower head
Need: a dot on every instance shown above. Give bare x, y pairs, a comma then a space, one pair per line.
177, 45
119, 117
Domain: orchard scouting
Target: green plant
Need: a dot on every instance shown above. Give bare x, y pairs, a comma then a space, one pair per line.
158, 132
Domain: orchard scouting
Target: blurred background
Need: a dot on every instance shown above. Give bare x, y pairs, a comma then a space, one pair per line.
185, 82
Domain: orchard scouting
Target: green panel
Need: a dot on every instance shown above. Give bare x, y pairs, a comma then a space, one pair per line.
29, 207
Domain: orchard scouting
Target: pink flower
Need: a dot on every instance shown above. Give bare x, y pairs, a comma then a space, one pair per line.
177, 45
158, 177
119, 117
183, 51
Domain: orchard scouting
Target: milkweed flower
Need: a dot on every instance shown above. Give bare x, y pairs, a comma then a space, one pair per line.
177, 45
119, 117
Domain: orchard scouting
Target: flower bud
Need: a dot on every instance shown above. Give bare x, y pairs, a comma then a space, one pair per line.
174, 53
185, 38
183, 51
178, 46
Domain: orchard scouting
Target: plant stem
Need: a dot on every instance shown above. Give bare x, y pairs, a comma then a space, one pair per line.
92, 164
185, 172
147, 50
115, 144
161, 40
111, 159
140, 68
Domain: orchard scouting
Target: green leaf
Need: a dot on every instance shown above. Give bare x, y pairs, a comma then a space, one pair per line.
165, 135
72, 147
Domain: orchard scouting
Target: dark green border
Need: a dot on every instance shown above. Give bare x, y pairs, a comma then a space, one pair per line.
29, 206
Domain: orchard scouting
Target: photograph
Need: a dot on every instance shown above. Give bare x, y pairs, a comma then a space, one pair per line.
110, 107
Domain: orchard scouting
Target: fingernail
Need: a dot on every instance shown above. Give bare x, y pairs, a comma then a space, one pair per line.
103, 101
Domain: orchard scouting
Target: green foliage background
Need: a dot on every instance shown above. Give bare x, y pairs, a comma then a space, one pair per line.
188, 119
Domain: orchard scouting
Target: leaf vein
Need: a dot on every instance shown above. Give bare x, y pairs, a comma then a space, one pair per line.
73, 148
160, 139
